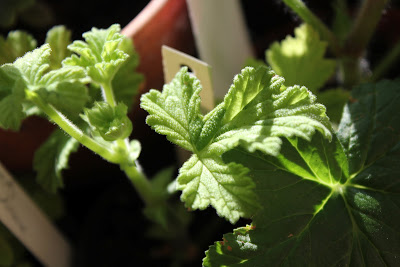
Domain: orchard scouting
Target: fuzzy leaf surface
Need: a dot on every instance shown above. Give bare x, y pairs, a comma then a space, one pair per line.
52, 157
100, 54
300, 59
255, 113
63, 88
321, 207
127, 81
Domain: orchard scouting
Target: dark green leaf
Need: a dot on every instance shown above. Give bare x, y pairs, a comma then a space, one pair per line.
52, 157
317, 213
370, 127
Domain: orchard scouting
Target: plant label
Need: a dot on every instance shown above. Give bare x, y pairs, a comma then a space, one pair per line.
30, 225
173, 60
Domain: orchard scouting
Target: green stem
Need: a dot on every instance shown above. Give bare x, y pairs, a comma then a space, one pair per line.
364, 26
72, 129
108, 94
140, 182
308, 16
385, 64
137, 177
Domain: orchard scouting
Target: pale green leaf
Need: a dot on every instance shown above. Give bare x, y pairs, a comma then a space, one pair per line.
100, 54
51, 158
111, 123
127, 81
63, 88
15, 45
58, 37
300, 59
256, 112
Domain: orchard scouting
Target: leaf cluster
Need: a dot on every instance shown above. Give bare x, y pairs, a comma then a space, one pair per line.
66, 83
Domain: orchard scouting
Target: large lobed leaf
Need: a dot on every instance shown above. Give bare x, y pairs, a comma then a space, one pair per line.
300, 59
325, 204
256, 112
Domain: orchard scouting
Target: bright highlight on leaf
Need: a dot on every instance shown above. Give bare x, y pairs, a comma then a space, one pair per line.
325, 204
300, 59
100, 54
256, 112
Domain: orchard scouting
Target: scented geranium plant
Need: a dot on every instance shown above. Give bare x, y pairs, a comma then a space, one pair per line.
318, 191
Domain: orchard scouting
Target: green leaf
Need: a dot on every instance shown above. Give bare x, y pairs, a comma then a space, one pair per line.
369, 126
58, 37
127, 81
11, 98
322, 204
256, 112
334, 100
16, 45
51, 158
300, 59
100, 55
63, 88
111, 123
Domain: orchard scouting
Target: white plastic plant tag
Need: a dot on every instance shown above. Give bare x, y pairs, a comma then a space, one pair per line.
173, 60
221, 39
30, 225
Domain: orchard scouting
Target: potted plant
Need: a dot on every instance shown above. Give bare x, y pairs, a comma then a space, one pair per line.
317, 191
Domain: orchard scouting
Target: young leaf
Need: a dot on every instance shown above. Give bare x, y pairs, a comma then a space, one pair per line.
51, 158
63, 88
58, 37
126, 81
111, 123
301, 59
16, 45
254, 114
100, 54
316, 212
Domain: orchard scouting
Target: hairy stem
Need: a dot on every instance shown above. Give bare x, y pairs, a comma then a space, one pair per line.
108, 94
135, 175
72, 129
308, 16
140, 182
